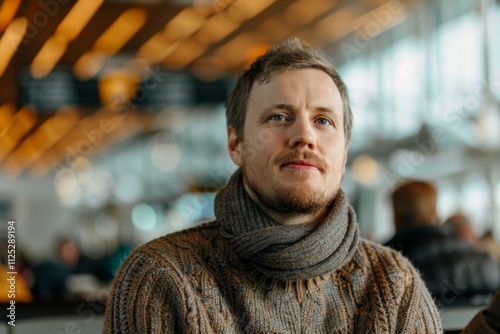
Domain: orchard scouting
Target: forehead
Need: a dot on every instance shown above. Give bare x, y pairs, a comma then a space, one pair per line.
311, 86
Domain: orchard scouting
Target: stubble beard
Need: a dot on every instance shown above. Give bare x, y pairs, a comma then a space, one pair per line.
289, 199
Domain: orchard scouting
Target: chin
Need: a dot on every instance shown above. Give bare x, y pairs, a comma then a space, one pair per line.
305, 185
305, 192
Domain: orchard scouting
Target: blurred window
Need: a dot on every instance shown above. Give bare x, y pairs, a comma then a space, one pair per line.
447, 202
476, 202
460, 61
409, 83
390, 85
494, 48
361, 80
386, 90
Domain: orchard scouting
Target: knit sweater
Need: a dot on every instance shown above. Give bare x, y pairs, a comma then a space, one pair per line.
202, 280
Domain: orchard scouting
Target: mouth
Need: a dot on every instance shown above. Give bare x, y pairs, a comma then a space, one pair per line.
301, 164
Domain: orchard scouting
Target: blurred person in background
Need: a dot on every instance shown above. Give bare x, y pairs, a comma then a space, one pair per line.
488, 244
459, 226
284, 254
71, 276
452, 269
49, 277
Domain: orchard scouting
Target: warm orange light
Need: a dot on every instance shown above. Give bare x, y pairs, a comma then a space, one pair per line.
22, 122
58, 156
42, 164
271, 30
110, 42
156, 49
117, 86
6, 113
48, 56
71, 26
7, 12
336, 25
209, 68
234, 52
181, 26
42, 139
186, 53
215, 29
10, 41
88, 65
121, 31
184, 24
244, 10
347, 20
278, 28
302, 12
255, 51
365, 169
77, 18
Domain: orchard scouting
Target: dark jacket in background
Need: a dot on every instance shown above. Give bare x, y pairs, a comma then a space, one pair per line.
453, 271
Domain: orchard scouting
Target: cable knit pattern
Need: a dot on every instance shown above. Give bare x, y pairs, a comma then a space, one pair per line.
196, 281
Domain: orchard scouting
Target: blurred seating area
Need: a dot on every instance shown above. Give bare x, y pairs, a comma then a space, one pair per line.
112, 128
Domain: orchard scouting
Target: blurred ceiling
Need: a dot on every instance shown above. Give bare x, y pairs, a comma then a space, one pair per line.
207, 38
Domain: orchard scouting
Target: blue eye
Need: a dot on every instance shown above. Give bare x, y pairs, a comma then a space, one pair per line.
323, 121
278, 117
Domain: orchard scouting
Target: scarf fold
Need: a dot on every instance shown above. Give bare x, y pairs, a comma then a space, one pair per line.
285, 252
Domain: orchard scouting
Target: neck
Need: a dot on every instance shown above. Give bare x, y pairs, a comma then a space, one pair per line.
277, 249
286, 218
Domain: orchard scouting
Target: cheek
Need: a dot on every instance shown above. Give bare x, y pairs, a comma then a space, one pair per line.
262, 143
266, 138
248, 154
259, 158
337, 157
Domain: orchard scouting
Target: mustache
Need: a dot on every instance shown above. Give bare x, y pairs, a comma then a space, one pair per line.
301, 155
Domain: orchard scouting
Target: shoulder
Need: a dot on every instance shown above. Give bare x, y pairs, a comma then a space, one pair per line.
175, 249
192, 238
378, 254
171, 259
384, 263
391, 290
377, 265
155, 279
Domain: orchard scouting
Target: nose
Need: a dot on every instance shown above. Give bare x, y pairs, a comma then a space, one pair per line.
302, 134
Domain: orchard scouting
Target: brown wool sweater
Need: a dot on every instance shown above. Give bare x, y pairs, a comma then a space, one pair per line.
244, 273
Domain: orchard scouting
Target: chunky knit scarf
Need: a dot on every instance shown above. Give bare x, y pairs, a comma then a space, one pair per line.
286, 252
245, 273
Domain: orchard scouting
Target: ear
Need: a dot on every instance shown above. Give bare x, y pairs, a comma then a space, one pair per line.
234, 145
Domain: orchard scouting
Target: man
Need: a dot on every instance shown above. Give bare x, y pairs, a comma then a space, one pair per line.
454, 272
458, 225
283, 255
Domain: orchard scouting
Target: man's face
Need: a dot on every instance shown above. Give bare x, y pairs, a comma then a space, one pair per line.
294, 152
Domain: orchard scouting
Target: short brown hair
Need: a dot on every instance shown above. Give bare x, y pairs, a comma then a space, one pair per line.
289, 54
414, 202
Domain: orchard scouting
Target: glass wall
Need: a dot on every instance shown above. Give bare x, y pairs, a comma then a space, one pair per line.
425, 97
